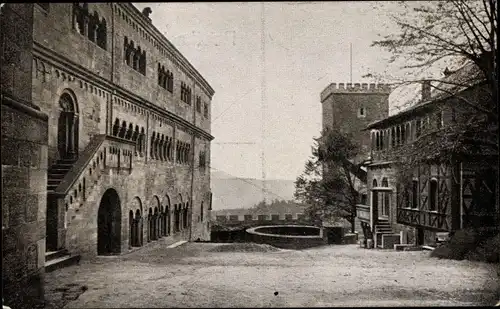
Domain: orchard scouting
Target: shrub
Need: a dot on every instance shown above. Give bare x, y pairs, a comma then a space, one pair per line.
480, 244
487, 251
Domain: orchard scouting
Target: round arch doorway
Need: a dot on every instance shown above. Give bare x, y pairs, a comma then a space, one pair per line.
67, 127
109, 224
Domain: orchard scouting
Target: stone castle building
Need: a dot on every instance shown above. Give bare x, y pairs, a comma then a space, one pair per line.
105, 137
443, 193
352, 107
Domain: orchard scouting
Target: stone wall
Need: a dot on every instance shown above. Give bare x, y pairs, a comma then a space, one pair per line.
24, 163
24, 178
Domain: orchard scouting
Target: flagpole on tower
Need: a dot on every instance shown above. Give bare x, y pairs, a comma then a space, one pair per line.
350, 62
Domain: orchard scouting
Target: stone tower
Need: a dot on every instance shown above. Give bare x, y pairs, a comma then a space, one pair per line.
351, 107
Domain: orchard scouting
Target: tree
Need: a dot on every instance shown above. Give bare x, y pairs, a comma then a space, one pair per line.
328, 185
452, 34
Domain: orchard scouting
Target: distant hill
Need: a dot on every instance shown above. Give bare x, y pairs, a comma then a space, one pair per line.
230, 192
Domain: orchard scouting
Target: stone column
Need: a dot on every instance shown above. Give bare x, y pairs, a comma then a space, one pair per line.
71, 137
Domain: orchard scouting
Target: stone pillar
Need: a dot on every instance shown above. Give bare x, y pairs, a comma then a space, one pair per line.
71, 131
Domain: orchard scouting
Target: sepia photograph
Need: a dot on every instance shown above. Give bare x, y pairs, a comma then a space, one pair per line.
250, 154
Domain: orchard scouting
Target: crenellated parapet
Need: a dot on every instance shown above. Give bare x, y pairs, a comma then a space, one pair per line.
355, 88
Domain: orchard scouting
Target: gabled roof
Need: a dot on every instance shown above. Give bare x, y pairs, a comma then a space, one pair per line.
457, 81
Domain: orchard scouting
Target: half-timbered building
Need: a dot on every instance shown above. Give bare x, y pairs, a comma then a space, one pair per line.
451, 186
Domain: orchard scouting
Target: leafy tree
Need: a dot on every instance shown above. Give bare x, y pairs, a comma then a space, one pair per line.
328, 185
457, 34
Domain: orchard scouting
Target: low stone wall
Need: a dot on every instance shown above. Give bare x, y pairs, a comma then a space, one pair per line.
287, 241
389, 240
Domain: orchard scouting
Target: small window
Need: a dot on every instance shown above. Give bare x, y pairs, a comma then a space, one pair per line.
361, 112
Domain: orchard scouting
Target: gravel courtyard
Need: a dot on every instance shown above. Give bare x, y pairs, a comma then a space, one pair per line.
196, 275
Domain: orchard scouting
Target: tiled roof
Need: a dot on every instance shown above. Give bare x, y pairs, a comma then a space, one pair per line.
467, 76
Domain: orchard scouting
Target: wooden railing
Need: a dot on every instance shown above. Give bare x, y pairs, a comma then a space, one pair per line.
102, 154
423, 218
363, 213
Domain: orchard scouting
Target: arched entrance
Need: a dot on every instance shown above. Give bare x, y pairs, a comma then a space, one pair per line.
109, 224
67, 128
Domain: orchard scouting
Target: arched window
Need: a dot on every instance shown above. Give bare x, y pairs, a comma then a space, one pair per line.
393, 137
92, 27
136, 58
433, 194
171, 82
143, 142
79, 19
164, 150
152, 145
201, 212
142, 62
130, 131
116, 127
160, 147
102, 34
123, 129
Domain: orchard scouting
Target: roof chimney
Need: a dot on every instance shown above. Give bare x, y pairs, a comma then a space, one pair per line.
426, 90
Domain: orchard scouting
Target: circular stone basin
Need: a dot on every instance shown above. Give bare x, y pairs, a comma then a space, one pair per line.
287, 236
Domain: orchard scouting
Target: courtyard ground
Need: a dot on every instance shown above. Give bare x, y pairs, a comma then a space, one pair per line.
196, 275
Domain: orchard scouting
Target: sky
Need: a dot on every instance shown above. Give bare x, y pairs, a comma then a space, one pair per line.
306, 47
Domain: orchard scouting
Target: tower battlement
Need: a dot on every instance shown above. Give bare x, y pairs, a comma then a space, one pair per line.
355, 88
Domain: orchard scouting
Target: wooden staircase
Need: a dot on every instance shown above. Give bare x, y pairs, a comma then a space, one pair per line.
61, 258
381, 228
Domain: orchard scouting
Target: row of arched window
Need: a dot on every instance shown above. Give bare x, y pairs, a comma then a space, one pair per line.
165, 78
183, 151
186, 93
158, 221
90, 25
136, 134
135, 57
161, 147
411, 195
401, 134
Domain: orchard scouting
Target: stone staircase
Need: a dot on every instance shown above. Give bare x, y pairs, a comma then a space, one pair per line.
382, 227
61, 258
57, 172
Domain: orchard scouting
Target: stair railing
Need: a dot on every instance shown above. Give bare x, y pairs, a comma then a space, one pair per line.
104, 153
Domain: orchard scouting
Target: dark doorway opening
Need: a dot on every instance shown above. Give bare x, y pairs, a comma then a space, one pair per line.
109, 224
